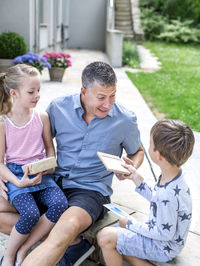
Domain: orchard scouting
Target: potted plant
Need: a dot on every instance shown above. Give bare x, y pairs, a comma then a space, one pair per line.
35, 60
11, 45
59, 62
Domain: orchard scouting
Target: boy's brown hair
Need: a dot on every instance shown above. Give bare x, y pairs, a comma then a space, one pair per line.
174, 140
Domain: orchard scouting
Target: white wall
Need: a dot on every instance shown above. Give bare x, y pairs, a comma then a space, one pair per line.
87, 24
13, 17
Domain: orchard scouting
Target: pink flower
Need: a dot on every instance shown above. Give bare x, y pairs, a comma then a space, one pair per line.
58, 59
69, 63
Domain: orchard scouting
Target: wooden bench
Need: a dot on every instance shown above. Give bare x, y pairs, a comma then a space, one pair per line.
190, 255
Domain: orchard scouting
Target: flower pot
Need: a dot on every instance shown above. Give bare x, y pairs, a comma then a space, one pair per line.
56, 73
5, 64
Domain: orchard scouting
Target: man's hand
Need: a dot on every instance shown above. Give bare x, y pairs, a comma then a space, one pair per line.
27, 182
3, 188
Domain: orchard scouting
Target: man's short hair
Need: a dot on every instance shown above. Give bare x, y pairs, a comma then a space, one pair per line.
99, 72
174, 140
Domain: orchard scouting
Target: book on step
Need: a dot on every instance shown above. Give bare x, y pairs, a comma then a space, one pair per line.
116, 210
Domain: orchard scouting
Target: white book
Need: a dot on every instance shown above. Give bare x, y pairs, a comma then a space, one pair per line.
113, 163
40, 166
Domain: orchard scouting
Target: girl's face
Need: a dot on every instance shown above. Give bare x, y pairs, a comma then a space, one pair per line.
29, 92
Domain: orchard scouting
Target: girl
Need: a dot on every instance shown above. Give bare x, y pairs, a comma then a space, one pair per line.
24, 135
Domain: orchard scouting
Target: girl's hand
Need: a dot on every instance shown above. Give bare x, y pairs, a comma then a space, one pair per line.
3, 188
27, 182
123, 221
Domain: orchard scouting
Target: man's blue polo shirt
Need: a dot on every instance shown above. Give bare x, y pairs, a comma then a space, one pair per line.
78, 143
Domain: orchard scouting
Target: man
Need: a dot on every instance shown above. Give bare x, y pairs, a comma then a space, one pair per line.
84, 124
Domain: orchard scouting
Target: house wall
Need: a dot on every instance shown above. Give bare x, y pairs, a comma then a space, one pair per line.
16, 20
87, 24
56, 23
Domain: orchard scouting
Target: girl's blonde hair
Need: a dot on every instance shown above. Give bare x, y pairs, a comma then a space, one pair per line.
12, 80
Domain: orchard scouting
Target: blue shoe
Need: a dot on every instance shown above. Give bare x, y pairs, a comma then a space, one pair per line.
76, 254
17, 264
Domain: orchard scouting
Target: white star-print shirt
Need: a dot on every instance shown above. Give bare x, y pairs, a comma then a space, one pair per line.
169, 217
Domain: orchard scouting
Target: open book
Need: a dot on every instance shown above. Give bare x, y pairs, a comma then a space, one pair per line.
40, 166
113, 163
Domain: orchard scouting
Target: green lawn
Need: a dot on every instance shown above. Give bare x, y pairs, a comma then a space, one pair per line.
175, 89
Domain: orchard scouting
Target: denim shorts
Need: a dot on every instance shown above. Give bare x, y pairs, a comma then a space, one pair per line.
13, 191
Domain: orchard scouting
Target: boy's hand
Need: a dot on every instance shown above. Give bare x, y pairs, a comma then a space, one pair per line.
3, 188
27, 182
135, 176
123, 221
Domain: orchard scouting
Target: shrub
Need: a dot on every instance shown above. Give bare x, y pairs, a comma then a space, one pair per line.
152, 23
11, 45
180, 32
130, 55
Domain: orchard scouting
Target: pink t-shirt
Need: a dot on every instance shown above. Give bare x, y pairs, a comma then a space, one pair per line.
24, 144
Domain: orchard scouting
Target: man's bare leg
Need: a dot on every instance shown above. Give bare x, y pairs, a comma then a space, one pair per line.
72, 222
8, 216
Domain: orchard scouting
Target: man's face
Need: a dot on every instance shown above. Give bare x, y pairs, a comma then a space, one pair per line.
98, 100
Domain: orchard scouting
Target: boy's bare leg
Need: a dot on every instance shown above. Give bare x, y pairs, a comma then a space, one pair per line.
136, 261
107, 240
8, 216
72, 222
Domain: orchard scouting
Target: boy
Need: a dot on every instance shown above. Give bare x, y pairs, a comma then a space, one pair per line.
164, 234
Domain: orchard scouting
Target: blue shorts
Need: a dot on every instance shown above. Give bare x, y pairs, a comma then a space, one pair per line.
89, 200
132, 244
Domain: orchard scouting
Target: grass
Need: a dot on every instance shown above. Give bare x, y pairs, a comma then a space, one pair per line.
175, 89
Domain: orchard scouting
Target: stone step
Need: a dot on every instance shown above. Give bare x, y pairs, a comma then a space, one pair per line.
119, 19
122, 13
129, 36
124, 28
122, 8
121, 1
123, 23
121, 16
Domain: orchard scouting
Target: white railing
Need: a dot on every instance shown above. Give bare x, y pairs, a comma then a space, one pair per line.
114, 38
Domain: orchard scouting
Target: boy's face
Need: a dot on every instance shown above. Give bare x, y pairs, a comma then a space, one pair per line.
152, 151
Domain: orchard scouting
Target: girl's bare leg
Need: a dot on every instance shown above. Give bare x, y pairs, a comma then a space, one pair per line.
42, 228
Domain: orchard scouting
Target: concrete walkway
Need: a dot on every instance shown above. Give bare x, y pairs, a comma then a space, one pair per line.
128, 95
